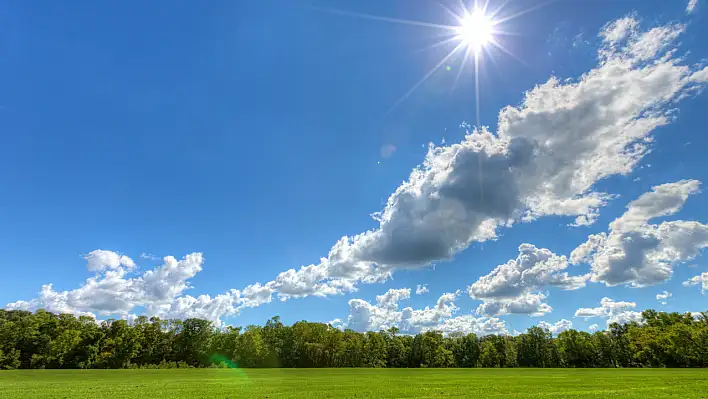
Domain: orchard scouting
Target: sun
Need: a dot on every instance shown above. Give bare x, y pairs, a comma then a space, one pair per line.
476, 30
478, 34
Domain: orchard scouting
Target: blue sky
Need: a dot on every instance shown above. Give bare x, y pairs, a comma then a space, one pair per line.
258, 134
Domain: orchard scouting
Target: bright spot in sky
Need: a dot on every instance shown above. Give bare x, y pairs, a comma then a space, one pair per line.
476, 30
476, 36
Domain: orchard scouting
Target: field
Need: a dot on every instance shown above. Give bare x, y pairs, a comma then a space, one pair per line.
356, 383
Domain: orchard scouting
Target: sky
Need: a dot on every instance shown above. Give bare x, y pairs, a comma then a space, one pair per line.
425, 165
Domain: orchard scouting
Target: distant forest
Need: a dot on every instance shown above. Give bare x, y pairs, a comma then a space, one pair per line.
46, 340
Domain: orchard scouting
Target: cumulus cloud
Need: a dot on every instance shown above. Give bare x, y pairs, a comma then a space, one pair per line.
593, 327
614, 311
663, 297
510, 287
99, 260
544, 159
385, 313
625, 317
691, 6
421, 289
392, 297
113, 291
638, 253
530, 304
467, 324
701, 280
558, 327
533, 269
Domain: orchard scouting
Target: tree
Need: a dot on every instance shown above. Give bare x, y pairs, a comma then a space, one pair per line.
489, 356
46, 340
576, 349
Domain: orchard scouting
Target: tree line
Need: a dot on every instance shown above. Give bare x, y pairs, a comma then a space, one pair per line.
45, 340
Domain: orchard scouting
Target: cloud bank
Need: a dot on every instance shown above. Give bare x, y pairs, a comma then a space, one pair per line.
385, 313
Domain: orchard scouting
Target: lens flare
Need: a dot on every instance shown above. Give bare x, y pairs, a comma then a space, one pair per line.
222, 361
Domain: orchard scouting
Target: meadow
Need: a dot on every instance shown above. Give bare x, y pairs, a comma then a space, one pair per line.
356, 383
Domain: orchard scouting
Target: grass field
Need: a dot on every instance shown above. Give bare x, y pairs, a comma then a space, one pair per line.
356, 383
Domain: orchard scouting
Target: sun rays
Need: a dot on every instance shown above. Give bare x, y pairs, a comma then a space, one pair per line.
474, 36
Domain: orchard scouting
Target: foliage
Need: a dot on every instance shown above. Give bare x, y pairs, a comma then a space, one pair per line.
43, 340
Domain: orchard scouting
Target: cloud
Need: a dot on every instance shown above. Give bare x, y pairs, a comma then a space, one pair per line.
691, 6
421, 289
557, 327
625, 317
112, 291
364, 316
390, 299
467, 324
530, 304
663, 297
701, 280
640, 254
544, 159
593, 327
99, 260
509, 287
700, 77
614, 311
149, 256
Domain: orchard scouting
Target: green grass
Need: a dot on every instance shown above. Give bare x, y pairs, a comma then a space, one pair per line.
356, 383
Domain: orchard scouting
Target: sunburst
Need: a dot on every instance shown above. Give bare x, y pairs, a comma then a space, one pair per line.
475, 34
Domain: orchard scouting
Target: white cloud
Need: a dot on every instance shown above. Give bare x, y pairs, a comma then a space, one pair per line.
111, 291
593, 327
533, 269
203, 306
691, 6
700, 76
421, 289
663, 297
619, 30
510, 287
390, 299
640, 254
530, 304
614, 311
364, 316
149, 256
337, 323
467, 324
100, 260
625, 317
701, 280
558, 327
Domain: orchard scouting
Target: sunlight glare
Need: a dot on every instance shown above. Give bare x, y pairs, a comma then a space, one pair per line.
475, 36
476, 30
